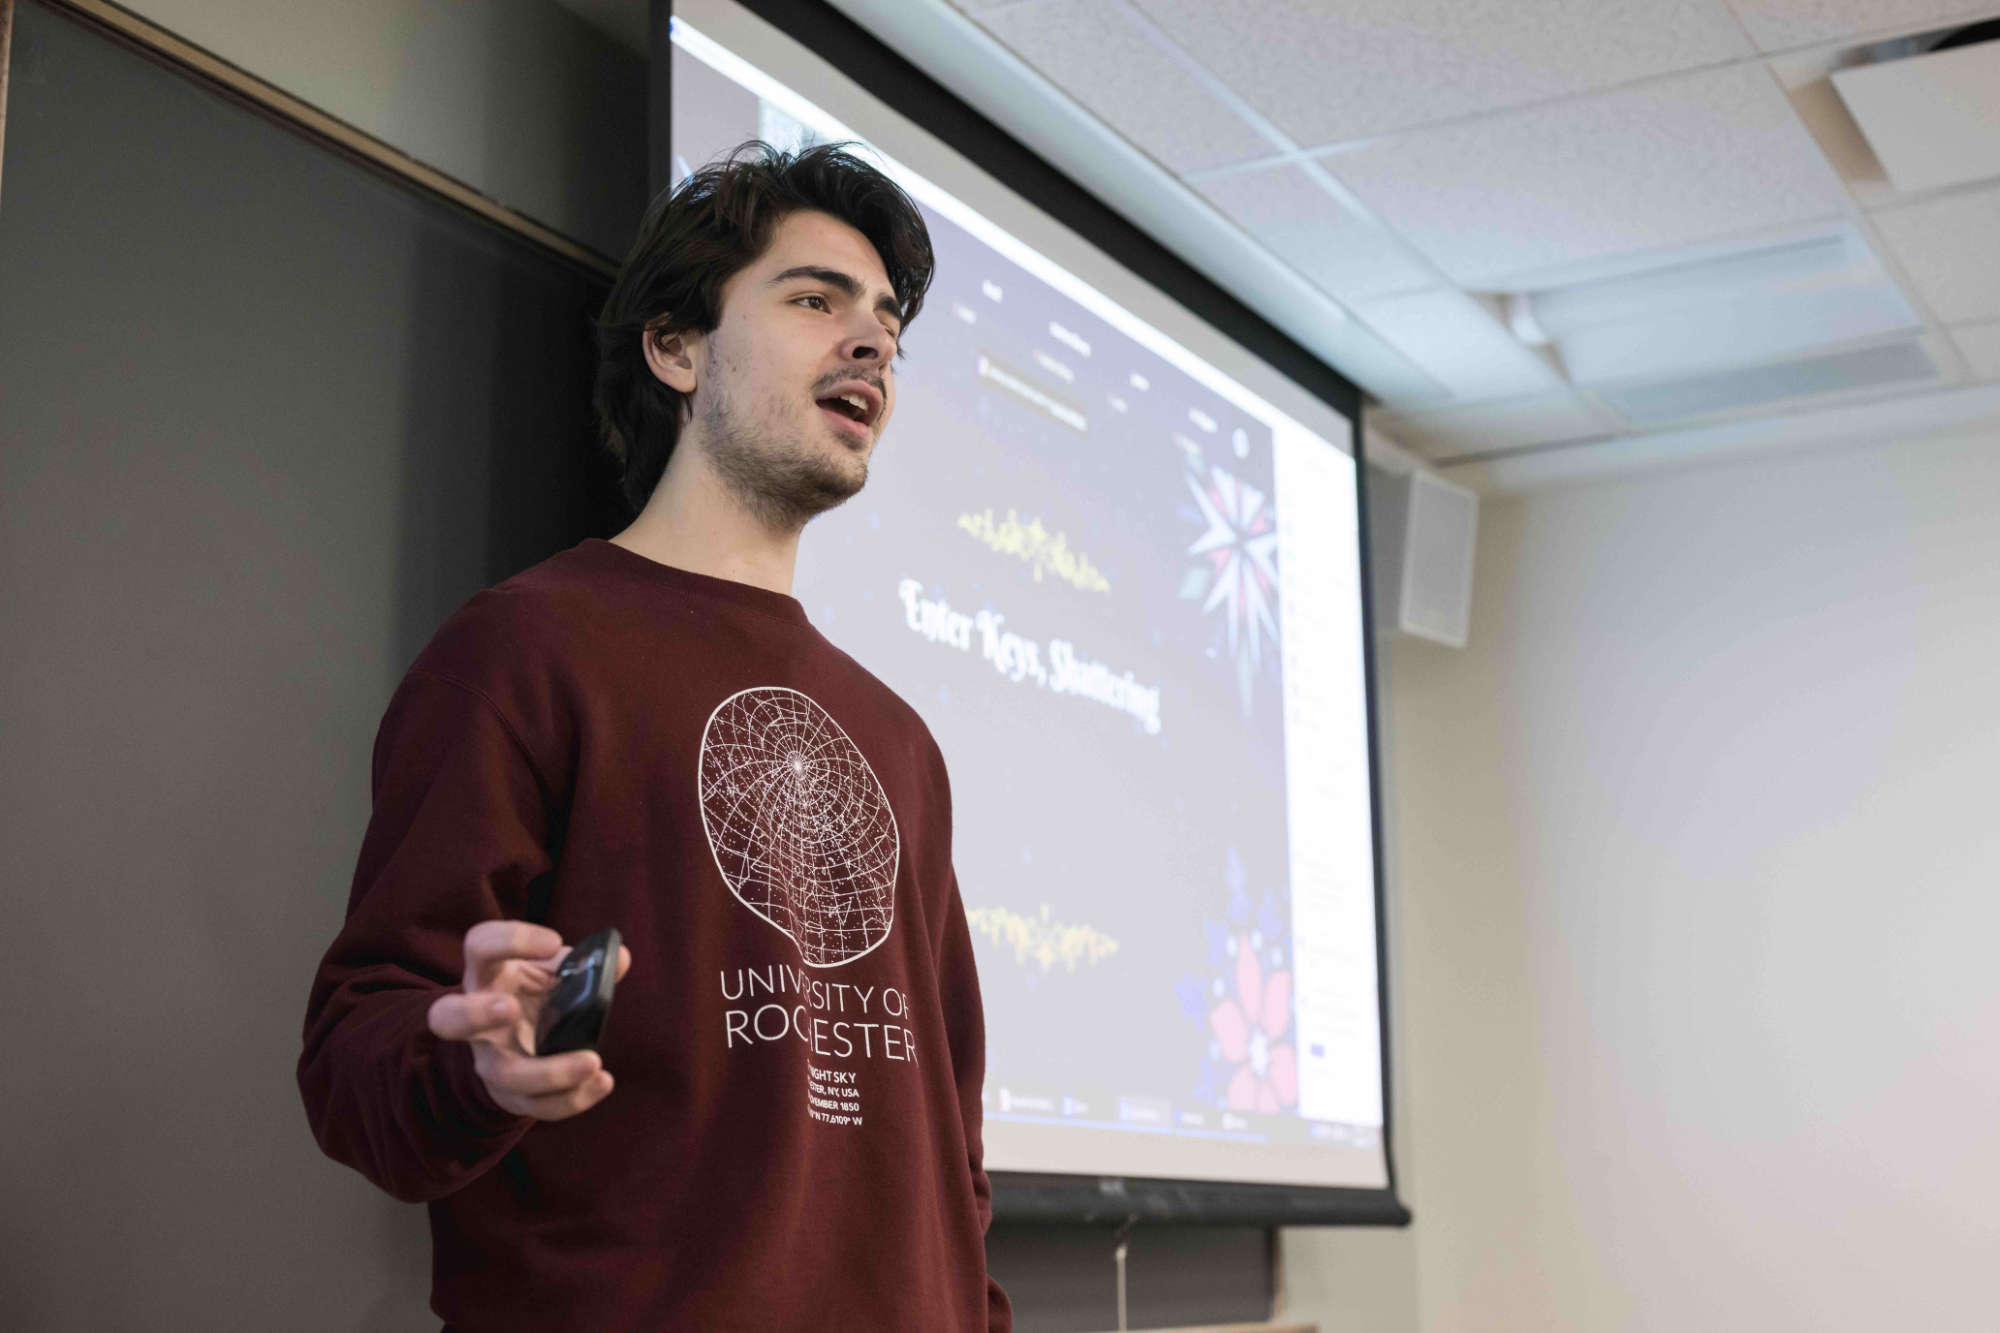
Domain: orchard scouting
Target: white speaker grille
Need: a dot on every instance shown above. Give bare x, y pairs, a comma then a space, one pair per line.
1437, 564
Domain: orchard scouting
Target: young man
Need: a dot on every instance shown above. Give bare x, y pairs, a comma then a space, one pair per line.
647, 733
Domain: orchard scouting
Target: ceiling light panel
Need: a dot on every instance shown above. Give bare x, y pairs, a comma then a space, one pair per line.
1734, 333
1855, 372
1699, 281
1950, 247
1779, 25
1664, 164
1460, 343
1343, 254
1755, 305
1891, 417
1092, 54
1327, 71
1649, 264
1480, 428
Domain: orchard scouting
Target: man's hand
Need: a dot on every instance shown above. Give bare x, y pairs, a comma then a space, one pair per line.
510, 967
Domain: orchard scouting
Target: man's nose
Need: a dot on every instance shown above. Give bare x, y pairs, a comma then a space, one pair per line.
869, 342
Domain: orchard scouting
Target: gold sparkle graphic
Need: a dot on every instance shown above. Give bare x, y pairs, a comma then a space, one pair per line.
1048, 552
1039, 940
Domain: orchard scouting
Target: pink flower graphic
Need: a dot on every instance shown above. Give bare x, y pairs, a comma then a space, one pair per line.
1248, 1028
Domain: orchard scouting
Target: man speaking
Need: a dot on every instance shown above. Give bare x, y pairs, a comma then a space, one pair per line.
780, 1125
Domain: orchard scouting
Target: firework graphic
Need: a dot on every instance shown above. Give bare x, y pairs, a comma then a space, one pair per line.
1242, 1002
1251, 1028
1236, 569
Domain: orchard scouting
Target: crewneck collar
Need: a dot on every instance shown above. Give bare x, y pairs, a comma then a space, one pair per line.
675, 579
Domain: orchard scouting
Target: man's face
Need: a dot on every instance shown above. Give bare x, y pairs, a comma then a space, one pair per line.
811, 320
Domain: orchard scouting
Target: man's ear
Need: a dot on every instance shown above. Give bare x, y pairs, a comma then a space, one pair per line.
671, 356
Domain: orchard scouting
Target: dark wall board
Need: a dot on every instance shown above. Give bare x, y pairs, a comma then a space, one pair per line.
1063, 1278
266, 417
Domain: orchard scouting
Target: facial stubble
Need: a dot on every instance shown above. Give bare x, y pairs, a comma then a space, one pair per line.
782, 482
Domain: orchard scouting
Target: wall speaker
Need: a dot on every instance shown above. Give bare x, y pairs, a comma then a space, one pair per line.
1421, 533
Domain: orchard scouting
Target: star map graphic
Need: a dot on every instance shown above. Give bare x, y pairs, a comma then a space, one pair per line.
799, 824
1238, 551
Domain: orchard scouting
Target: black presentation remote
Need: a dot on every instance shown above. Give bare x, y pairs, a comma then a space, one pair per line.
573, 1015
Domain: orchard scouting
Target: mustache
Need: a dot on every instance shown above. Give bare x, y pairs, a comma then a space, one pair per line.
872, 381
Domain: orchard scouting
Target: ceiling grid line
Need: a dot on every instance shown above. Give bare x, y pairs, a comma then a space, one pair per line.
1339, 147
1736, 17
1289, 151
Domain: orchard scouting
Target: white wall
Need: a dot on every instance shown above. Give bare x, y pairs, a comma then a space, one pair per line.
1699, 895
520, 99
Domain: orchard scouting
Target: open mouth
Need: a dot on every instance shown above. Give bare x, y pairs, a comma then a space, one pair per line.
853, 414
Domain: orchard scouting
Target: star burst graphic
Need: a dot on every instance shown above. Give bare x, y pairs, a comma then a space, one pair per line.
1238, 554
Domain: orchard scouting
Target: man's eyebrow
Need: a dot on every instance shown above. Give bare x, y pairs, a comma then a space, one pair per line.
884, 304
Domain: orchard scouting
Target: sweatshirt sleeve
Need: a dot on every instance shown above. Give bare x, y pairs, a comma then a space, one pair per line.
459, 833
965, 1019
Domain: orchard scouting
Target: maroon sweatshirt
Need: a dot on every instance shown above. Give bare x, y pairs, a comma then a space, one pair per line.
793, 1141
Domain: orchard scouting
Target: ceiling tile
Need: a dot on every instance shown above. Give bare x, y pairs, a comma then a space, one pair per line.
1347, 256
1777, 25
1950, 247
1981, 345
1648, 168
1487, 427
1929, 119
1109, 67
1327, 71
1459, 343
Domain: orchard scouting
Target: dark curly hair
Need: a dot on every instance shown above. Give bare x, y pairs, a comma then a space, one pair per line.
697, 236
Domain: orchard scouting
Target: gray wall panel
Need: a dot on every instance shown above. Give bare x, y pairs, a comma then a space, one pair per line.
266, 418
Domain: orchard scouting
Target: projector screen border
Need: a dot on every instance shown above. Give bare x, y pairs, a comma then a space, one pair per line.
1021, 1196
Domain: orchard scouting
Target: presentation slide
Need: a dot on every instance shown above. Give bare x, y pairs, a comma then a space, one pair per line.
1124, 592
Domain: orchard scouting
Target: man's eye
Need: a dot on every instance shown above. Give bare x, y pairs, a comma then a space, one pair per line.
814, 297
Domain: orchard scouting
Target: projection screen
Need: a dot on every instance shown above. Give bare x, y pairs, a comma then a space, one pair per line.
1113, 560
